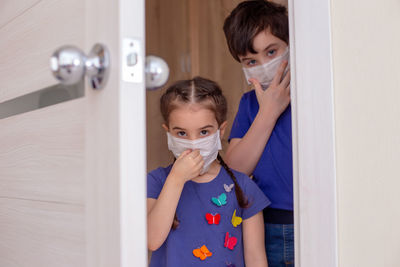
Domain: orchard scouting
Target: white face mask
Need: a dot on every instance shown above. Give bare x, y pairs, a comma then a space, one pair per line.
208, 147
265, 73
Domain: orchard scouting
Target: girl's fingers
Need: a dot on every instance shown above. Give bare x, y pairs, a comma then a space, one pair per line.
200, 164
195, 155
278, 76
184, 153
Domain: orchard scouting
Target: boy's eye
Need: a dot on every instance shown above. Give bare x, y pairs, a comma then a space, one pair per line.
181, 133
271, 52
251, 62
203, 132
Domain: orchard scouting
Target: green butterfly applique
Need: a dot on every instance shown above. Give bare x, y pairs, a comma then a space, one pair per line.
220, 200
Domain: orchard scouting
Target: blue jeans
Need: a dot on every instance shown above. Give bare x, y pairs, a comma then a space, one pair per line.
279, 244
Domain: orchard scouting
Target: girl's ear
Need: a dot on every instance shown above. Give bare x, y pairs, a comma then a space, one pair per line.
165, 127
222, 128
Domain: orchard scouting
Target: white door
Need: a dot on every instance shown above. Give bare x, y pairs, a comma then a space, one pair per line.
72, 174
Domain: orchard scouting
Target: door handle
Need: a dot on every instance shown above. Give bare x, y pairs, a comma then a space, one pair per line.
69, 64
157, 72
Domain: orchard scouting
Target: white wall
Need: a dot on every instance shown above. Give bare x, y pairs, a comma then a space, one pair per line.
366, 73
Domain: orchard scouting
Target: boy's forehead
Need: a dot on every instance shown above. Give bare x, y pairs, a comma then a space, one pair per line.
264, 40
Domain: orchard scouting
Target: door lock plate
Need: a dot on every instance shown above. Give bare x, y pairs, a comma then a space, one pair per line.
132, 61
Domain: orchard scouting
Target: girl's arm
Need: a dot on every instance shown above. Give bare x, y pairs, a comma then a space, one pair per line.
253, 241
161, 211
244, 153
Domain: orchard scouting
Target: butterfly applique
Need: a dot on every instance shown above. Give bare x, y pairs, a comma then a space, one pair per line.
236, 220
228, 188
230, 242
213, 219
202, 252
220, 200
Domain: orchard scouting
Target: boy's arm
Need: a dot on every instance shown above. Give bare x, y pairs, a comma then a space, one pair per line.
161, 211
244, 153
253, 241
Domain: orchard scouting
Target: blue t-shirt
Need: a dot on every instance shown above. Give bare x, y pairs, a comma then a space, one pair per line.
194, 231
274, 171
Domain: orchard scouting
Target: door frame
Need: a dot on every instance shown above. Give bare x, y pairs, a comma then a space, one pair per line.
314, 168
116, 228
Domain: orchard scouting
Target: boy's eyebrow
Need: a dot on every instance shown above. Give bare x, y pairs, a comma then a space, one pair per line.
269, 46
265, 49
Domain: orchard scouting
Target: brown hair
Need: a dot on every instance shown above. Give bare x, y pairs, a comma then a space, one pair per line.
200, 90
248, 19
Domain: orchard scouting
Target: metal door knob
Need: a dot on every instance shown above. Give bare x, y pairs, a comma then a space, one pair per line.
157, 72
69, 64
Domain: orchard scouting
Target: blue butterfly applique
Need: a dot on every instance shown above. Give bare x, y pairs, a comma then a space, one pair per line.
220, 200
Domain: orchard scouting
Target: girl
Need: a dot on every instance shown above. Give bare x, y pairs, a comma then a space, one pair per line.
200, 212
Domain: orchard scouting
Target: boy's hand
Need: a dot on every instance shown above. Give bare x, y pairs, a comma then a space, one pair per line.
188, 165
277, 97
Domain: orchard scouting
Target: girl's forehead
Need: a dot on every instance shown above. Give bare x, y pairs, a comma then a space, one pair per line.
191, 114
190, 107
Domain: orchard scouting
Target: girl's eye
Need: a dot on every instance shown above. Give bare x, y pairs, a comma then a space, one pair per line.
181, 133
203, 132
272, 52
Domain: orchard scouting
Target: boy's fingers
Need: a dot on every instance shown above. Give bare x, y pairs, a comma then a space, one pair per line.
286, 80
256, 84
278, 76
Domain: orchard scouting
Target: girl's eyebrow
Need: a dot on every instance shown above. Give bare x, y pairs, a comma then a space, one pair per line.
205, 127
177, 128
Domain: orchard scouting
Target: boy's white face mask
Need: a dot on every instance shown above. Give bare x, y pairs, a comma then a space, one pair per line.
265, 73
208, 147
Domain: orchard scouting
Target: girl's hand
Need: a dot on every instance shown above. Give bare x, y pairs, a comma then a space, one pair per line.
276, 98
188, 165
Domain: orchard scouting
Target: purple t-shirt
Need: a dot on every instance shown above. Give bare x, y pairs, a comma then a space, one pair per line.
194, 229
274, 171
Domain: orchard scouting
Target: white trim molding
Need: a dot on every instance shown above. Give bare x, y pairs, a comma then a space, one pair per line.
314, 168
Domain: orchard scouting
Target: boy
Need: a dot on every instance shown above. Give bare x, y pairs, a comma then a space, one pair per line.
261, 138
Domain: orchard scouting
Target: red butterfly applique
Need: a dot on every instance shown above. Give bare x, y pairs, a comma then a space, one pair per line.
230, 242
213, 219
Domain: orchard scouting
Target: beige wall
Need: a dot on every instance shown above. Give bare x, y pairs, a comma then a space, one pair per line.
366, 65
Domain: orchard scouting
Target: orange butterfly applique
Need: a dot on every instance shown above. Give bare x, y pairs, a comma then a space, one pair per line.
202, 253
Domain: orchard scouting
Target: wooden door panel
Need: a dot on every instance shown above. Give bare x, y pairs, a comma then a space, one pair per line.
42, 154
35, 233
37, 32
10, 9
72, 175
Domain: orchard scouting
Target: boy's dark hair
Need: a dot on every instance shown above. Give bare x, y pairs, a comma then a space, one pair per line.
248, 19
